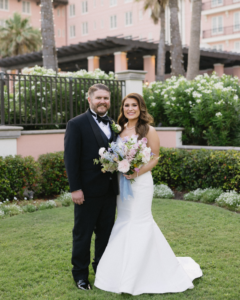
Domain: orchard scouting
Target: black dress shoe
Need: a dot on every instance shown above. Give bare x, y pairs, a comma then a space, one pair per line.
83, 285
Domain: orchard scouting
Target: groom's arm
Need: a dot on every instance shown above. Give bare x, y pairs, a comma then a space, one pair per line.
72, 155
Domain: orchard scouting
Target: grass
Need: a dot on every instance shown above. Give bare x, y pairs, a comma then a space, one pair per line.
35, 253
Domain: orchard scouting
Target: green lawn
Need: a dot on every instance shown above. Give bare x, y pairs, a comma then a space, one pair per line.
35, 253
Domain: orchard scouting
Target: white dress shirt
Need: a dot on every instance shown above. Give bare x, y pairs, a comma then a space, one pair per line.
105, 128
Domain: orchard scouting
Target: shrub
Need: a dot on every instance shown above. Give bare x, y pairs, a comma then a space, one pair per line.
29, 208
163, 191
210, 195
47, 204
230, 199
18, 174
190, 170
54, 176
207, 108
65, 198
1, 214
11, 209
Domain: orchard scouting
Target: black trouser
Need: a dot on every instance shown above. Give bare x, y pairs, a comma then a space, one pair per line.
94, 215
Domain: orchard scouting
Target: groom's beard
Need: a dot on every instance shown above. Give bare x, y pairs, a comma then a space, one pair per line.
100, 113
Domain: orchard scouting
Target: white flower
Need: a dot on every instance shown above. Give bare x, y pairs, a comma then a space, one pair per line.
25, 198
168, 103
196, 95
235, 97
190, 102
198, 100
151, 97
153, 104
173, 98
15, 198
101, 151
163, 191
123, 166
218, 114
43, 108
119, 128
165, 96
192, 130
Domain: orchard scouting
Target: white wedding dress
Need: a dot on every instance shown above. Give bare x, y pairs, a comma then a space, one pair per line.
138, 258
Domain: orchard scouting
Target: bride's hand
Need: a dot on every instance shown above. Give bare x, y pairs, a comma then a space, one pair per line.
132, 176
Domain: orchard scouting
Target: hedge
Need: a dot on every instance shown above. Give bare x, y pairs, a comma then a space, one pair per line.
189, 170
179, 169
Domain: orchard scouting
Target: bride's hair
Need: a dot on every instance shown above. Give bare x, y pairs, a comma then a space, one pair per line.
144, 119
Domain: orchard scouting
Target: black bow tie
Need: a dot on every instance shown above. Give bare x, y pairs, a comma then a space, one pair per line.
104, 119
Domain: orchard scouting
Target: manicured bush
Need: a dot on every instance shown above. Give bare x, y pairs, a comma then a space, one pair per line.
65, 198
18, 174
163, 191
230, 200
11, 210
208, 195
190, 170
46, 205
29, 208
54, 176
207, 107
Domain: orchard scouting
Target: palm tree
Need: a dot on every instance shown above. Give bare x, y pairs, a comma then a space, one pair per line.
194, 48
158, 12
176, 43
48, 36
19, 37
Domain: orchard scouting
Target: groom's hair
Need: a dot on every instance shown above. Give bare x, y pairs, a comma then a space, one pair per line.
96, 87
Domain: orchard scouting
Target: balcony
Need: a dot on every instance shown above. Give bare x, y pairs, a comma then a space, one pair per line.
215, 4
215, 32
55, 2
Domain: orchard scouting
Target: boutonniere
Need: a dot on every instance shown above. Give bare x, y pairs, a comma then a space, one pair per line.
115, 127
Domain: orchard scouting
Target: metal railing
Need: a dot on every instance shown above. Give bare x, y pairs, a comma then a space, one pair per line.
38, 102
218, 3
221, 31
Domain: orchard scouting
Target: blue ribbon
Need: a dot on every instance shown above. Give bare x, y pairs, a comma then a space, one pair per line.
125, 188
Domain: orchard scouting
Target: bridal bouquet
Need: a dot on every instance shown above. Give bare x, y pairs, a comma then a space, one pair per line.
126, 156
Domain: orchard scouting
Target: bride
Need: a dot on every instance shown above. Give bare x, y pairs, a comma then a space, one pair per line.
138, 259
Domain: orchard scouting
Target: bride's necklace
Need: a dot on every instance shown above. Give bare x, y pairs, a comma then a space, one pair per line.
131, 127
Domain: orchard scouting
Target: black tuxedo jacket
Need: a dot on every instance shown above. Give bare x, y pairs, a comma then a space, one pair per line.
82, 141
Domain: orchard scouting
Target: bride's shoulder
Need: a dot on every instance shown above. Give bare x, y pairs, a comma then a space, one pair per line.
152, 130
152, 134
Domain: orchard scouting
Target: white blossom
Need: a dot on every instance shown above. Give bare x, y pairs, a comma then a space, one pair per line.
218, 114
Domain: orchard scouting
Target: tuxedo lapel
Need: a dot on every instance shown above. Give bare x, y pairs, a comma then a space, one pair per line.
96, 130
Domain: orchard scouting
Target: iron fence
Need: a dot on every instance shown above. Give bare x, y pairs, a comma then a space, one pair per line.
38, 102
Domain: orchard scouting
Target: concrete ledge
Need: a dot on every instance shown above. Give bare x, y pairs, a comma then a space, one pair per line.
10, 132
186, 147
169, 128
49, 131
131, 75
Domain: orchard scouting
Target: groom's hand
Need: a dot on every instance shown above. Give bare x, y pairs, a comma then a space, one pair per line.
78, 197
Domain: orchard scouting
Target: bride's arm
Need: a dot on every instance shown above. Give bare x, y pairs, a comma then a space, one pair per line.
154, 144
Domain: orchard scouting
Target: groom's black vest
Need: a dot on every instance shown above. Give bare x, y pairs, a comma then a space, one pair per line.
83, 139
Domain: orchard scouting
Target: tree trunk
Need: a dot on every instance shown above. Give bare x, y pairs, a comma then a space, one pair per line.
161, 48
194, 48
48, 39
176, 43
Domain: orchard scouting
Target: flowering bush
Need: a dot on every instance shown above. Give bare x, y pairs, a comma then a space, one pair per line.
207, 107
47, 95
65, 198
208, 195
230, 199
47, 204
162, 191
29, 208
11, 209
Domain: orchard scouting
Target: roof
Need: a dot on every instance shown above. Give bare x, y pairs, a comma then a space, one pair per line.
74, 56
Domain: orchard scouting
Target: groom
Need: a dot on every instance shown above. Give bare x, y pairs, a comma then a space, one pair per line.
93, 192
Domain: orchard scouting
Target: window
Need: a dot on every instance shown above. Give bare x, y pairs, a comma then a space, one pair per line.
63, 11
84, 28
84, 7
128, 37
113, 22
236, 21
102, 2
72, 31
149, 12
72, 10
94, 3
113, 2
102, 24
218, 47
127, 1
94, 25
58, 12
3, 4
2, 23
59, 32
26, 7
140, 14
217, 25
150, 37
237, 46
63, 33
128, 18
216, 3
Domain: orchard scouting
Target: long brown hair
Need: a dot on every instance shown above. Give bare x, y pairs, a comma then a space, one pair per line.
142, 126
